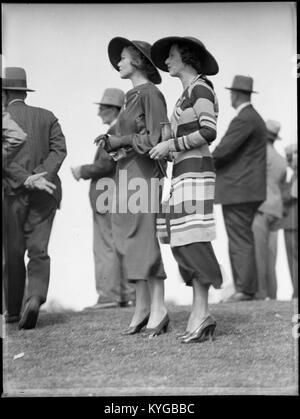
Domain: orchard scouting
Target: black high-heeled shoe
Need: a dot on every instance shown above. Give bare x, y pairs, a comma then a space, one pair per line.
132, 330
204, 332
160, 328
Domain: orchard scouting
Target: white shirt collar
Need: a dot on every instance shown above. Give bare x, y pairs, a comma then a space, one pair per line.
15, 100
112, 123
242, 106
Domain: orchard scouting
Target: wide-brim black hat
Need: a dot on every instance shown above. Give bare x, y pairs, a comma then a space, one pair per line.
115, 48
161, 48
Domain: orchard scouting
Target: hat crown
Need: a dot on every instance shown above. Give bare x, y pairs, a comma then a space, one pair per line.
273, 126
113, 96
144, 46
14, 78
242, 83
14, 73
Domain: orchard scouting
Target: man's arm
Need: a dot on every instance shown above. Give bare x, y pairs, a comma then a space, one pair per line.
13, 138
103, 165
238, 132
57, 151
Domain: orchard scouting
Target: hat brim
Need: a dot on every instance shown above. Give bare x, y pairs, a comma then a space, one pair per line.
241, 90
115, 48
274, 135
23, 89
161, 48
107, 104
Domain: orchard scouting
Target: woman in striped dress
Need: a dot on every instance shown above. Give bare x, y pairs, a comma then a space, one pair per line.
188, 220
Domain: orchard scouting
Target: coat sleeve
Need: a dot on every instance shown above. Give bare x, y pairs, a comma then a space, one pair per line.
203, 103
102, 165
57, 150
238, 132
155, 111
13, 138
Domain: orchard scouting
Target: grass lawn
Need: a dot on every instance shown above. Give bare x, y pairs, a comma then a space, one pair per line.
84, 354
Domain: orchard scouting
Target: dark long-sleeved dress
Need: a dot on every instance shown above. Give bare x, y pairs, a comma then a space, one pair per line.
137, 177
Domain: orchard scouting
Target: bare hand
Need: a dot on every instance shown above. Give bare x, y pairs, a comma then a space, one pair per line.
76, 172
29, 182
160, 151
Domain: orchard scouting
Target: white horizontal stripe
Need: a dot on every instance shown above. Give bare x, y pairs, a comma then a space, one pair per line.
188, 224
187, 218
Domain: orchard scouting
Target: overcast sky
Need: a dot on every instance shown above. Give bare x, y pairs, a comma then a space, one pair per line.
63, 48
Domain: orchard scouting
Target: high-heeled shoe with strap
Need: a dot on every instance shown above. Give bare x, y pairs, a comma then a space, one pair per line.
132, 330
160, 328
203, 332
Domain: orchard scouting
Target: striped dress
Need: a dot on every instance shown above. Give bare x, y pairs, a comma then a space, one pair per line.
188, 217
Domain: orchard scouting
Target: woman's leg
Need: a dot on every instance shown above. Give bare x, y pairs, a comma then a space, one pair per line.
142, 303
158, 308
200, 305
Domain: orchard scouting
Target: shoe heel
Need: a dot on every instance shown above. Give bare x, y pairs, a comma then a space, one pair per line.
210, 332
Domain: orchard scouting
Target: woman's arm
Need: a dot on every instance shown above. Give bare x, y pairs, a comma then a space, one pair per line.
203, 130
155, 112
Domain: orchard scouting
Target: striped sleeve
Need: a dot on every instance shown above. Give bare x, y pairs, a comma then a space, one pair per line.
204, 106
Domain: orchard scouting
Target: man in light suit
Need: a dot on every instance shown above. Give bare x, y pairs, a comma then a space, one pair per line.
32, 195
112, 288
268, 218
290, 219
240, 160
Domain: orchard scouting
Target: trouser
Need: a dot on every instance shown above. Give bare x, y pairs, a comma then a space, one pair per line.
238, 220
265, 239
110, 281
28, 223
291, 245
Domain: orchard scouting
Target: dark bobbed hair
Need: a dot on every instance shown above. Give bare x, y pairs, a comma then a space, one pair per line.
191, 56
139, 61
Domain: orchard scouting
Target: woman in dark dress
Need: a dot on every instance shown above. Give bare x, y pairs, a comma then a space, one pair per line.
134, 232
188, 224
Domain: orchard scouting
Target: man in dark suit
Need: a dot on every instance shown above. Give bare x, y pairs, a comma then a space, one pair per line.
240, 160
32, 196
112, 288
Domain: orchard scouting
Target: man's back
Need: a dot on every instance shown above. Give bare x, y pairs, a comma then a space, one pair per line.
45, 148
240, 160
276, 174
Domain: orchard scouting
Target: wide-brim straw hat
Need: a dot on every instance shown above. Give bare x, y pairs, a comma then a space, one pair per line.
115, 48
14, 78
161, 48
242, 84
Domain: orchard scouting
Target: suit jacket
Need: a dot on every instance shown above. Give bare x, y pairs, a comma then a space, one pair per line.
276, 176
103, 166
13, 138
44, 150
290, 204
240, 160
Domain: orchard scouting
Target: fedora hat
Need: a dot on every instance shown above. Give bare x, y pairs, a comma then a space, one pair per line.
273, 128
15, 79
112, 97
161, 48
115, 48
242, 83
